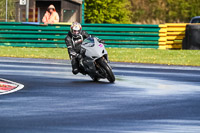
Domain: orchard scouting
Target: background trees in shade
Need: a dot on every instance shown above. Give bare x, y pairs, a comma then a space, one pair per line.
11, 10
128, 11
107, 11
141, 11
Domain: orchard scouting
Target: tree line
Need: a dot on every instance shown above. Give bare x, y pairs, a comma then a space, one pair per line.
141, 11
129, 11
11, 10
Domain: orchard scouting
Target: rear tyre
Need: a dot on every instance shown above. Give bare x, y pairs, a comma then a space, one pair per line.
108, 69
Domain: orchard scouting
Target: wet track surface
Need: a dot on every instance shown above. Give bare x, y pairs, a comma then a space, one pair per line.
144, 99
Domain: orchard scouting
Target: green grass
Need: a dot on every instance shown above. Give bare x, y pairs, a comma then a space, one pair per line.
152, 56
46, 53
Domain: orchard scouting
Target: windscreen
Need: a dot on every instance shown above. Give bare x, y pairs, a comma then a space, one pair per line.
89, 42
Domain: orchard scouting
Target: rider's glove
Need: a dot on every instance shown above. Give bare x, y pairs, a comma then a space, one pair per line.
79, 56
74, 54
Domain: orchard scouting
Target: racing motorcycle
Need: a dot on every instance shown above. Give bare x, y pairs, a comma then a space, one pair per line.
94, 61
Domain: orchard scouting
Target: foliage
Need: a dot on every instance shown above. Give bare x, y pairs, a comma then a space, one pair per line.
106, 11
141, 11
178, 10
147, 11
128, 11
11, 9
164, 11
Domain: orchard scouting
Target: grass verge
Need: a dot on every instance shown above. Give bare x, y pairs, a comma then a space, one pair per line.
152, 56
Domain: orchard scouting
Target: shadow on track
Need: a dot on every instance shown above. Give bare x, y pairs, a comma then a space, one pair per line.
90, 82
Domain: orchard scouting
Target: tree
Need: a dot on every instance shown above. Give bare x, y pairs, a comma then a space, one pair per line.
194, 7
148, 11
11, 9
164, 11
107, 11
178, 11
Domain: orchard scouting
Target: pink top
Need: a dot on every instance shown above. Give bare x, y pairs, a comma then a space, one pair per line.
51, 18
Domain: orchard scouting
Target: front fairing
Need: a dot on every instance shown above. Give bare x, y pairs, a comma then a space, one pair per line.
93, 49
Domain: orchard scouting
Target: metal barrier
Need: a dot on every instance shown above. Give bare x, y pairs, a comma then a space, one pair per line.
115, 35
171, 35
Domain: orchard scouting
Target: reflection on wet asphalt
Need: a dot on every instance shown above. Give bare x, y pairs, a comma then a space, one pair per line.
144, 99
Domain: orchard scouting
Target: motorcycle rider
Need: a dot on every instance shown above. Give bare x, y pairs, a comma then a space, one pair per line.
73, 40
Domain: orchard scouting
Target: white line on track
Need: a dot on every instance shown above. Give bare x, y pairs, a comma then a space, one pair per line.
19, 87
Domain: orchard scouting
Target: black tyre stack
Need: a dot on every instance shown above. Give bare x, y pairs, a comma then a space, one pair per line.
192, 37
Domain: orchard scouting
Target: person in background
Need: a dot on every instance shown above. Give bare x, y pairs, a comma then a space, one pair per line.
51, 16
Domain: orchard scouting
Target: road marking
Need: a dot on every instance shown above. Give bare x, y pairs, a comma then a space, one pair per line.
7, 86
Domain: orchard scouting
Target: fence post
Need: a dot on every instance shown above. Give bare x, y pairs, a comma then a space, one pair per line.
83, 11
6, 10
27, 10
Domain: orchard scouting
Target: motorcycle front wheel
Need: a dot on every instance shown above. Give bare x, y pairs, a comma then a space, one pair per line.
110, 76
95, 79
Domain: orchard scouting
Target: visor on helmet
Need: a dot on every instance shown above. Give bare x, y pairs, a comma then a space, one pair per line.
76, 32
76, 29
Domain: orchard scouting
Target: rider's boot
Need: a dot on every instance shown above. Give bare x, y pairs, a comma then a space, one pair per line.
75, 69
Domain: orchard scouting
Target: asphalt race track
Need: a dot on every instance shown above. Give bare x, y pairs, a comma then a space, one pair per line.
144, 99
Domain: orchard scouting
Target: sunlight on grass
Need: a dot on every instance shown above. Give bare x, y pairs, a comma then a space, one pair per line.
152, 56
47, 53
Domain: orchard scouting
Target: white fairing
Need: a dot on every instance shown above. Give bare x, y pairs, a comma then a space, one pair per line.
93, 48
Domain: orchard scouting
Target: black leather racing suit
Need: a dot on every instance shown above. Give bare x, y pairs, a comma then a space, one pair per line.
74, 47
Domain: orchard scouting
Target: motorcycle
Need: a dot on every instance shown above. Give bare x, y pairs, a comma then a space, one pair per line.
94, 61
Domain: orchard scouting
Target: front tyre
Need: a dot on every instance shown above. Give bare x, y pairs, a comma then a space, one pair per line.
110, 76
95, 79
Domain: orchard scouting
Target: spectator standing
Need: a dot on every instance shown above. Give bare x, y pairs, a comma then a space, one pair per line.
51, 16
